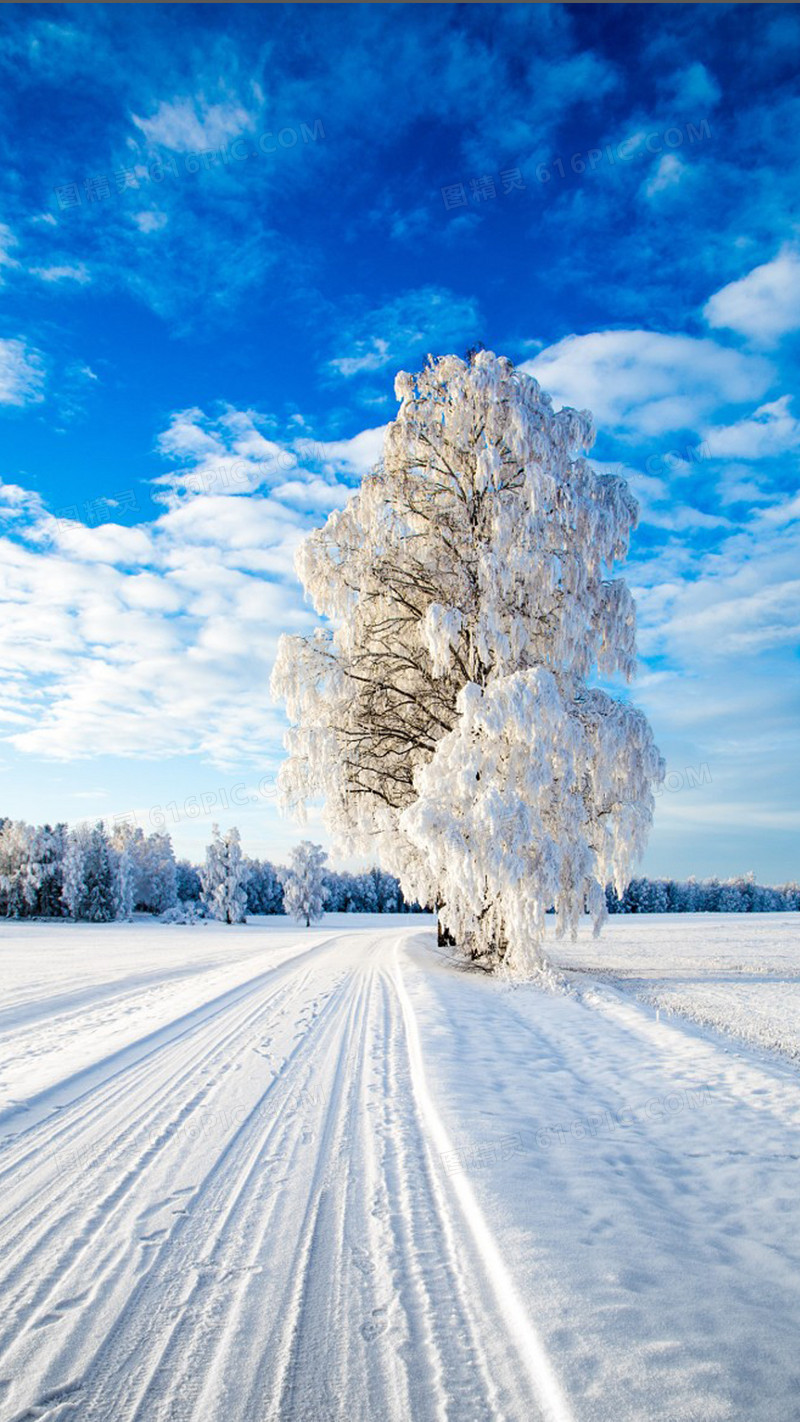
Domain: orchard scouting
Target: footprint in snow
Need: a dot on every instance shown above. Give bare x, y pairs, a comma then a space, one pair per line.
362, 1260
375, 1326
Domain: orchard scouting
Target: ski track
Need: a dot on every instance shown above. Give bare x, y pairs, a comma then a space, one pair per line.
300, 1257
245, 1214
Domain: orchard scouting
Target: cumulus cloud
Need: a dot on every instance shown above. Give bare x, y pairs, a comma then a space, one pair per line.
357, 455
769, 431
646, 383
764, 305
158, 639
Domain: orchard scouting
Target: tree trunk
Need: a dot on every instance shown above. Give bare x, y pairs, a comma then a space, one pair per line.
444, 937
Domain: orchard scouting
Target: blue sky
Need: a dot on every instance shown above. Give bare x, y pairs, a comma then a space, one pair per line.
225, 228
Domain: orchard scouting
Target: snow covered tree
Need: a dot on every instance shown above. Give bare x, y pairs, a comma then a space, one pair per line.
99, 905
224, 877
304, 882
21, 869
89, 889
52, 845
124, 845
264, 889
146, 870
74, 886
157, 887
385, 890
187, 882
445, 714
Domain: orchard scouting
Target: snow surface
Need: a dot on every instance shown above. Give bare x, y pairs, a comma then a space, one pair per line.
261, 1172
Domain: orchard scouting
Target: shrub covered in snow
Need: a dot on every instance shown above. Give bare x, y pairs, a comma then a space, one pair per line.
189, 912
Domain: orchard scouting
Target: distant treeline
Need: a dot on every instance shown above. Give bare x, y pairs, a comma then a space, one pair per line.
97, 873
742, 895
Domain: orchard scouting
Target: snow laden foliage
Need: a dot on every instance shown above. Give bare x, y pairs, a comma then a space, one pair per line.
304, 882
445, 713
223, 878
90, 889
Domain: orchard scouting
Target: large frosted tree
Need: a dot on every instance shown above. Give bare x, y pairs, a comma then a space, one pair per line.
445, 712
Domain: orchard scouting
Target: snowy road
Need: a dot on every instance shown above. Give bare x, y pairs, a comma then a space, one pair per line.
335, 1179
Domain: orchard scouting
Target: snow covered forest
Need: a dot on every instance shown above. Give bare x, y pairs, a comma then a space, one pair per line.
100, 874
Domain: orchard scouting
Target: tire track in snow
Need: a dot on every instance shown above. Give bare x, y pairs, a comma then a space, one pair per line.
533, 1355
175, 1306
319, 1266
77, 1223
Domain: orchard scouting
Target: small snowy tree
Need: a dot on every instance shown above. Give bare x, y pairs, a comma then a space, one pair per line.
157, 890
304, 882
52, 842
21, 869
445, 715
224, 877
89, 889
73, 889
124, 841
99, 905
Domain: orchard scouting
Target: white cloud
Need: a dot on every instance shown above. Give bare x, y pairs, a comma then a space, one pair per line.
429, 319
7, 241
78, 273
375, 354
695, 85
743, 595
358, 455
190, 125
188, 437
668, 173
764, 305
770, 431
150, 221
22, 374
158, 639
646, 383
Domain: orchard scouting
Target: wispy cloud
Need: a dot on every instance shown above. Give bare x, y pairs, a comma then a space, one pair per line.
22, 373
78, 273
191, 124
430, 319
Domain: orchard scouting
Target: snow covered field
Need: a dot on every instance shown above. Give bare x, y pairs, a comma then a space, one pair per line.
260, 1172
